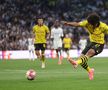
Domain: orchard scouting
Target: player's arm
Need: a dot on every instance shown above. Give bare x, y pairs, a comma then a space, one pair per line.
106, 29
33, 32
47, 32
48, 35
71, 41
33, 29
33, 37
63, 40
52, 34
76, 24
62, 35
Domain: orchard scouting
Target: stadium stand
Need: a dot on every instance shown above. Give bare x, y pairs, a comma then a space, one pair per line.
18, 16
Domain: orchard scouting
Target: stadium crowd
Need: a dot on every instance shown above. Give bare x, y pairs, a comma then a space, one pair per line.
17, 18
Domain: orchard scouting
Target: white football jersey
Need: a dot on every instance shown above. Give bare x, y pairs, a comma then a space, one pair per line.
56, 33
30, 41
30, 44
82, 43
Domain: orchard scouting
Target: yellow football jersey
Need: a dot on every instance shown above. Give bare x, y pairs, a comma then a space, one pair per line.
97, 34
40, 33
67, 42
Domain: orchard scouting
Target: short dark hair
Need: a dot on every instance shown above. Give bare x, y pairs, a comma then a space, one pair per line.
39, 17
93, 19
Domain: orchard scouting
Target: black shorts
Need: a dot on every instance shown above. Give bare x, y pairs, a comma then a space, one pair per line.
66, 49
92, 45
40, 46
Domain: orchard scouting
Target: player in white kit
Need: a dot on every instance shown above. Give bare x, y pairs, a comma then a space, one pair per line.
56, 36
82, 43
31, 48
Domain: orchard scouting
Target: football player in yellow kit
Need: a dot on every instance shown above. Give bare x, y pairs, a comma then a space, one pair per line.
40, 31
97, 31
67, 44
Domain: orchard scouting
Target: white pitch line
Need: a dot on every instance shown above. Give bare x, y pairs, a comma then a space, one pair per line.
50, 72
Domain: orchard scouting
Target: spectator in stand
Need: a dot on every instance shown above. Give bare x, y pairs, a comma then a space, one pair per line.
18, 16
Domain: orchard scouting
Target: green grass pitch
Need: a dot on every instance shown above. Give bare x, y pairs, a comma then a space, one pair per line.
54, 76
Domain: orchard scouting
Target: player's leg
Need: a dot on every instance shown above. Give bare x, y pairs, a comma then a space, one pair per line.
83, 56
29, 55
43, 59
82, 60
67, 52
33, 57
59, 55
97, 48
43, 46
29, 50
33, 53
37, 52
55, 46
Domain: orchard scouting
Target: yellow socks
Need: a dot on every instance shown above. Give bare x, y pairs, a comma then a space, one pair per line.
88, 68
83, 62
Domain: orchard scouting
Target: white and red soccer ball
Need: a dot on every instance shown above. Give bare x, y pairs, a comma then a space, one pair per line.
31, 74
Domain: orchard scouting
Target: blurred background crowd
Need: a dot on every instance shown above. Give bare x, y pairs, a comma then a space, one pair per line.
17, 18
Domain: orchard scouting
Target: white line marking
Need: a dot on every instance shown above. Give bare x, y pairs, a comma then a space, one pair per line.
48, 72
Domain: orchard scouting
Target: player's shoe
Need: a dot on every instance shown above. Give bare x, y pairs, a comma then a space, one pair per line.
59, 62
73, 62
91, 74
43, 65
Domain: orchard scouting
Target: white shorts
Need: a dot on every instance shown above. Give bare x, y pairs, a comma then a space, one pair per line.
31, 48
57, 44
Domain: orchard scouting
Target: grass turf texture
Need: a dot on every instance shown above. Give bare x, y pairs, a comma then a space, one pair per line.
54, 76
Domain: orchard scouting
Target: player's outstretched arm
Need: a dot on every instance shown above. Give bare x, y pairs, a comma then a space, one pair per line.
76, 24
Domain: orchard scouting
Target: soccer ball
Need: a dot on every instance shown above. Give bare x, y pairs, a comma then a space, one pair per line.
31, 74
